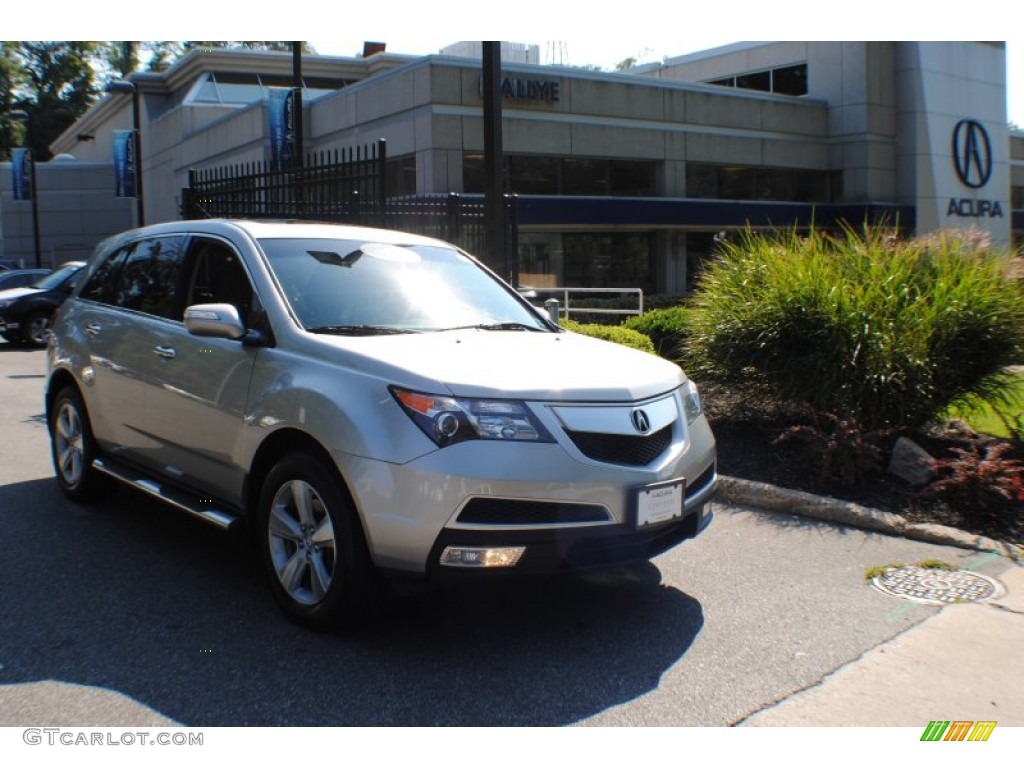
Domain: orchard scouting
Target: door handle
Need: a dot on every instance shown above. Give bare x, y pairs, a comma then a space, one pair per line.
93, 329
167, 352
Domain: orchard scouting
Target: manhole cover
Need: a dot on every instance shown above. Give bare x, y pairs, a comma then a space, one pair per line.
937, 587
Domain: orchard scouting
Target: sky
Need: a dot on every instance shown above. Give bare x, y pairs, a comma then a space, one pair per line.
597, 33
594, 33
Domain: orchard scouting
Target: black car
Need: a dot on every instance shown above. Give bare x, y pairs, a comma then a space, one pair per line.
19, 278
26, 313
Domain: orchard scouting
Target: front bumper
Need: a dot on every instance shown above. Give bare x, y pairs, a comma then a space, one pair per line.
564, 549
568, 512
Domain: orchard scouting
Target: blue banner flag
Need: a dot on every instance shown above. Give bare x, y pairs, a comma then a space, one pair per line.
21, 174
124, 163
281, 112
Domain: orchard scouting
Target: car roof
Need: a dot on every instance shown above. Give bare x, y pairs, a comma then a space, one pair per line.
282, 229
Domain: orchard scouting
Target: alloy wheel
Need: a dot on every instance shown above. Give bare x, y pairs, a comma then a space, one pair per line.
70, 445
39, 330
303, 548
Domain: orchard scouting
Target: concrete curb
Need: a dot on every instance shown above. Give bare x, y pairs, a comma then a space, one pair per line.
770, 498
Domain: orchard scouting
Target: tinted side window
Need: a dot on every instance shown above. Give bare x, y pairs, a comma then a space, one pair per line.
104, 277
151, 277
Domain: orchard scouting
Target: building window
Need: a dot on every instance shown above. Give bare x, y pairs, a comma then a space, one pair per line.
700, 249
533, 175
400, 176
236, 88
729, 182
547, 175
587, 259
791, 80
755, 81
1017, 198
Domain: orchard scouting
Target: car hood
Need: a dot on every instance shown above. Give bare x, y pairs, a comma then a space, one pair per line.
518, 364
17, 293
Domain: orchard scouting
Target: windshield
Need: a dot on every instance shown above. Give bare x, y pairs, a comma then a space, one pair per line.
54, 279
356, 287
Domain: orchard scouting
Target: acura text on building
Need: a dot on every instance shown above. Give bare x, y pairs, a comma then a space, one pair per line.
972, 159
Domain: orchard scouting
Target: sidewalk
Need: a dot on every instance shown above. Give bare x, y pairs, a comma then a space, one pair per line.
964, 663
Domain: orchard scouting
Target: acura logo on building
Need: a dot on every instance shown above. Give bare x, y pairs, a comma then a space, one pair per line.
640, 421
972, 153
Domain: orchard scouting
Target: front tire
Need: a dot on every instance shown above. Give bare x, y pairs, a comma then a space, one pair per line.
36, 330
312, 545
73, 448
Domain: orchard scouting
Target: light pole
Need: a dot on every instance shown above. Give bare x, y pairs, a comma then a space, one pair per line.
126, 86
21, 116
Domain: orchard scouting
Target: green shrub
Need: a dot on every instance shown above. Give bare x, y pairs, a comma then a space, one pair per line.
884, 332
618, 334
665, 327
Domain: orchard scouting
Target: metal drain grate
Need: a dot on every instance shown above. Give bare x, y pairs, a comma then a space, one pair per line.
937, 587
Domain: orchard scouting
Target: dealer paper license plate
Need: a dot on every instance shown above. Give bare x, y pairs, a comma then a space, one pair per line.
659, 503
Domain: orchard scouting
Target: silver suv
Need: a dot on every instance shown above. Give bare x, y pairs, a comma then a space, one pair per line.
367, 402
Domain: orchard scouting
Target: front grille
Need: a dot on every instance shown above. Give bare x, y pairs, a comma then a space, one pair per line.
633, 450
488, 511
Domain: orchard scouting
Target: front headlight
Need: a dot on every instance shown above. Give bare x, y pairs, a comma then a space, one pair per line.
691, 402
449, 420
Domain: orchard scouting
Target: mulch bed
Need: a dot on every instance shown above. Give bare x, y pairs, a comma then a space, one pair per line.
746, 434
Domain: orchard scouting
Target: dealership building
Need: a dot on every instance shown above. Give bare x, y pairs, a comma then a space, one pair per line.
624, 179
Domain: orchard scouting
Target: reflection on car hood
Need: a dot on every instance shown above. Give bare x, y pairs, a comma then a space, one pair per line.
520, 364
17, 293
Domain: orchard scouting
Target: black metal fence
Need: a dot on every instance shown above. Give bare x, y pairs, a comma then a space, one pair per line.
343, 185
458, 219
346, 186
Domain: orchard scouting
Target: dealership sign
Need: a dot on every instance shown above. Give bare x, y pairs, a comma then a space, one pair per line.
281, 113
527, 89
972, 159
21, 174
124, 163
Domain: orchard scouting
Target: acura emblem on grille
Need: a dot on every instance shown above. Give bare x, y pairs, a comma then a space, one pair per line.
640, 421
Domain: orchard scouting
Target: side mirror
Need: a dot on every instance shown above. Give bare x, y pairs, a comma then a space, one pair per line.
220, 321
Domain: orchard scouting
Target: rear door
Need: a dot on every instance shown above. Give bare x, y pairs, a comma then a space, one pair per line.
112, 345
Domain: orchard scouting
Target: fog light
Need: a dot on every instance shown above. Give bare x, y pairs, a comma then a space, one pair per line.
481, 557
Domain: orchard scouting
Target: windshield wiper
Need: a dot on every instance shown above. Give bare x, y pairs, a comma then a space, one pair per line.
511, 326
360, 330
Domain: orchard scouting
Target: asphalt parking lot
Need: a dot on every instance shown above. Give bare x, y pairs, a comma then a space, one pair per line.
128, 613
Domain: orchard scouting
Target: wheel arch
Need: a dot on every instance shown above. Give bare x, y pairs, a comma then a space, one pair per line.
278, 445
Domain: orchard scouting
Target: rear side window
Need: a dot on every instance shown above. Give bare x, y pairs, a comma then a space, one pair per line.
100, 286
150, 280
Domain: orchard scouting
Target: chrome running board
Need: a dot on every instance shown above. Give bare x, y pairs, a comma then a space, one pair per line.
176, 497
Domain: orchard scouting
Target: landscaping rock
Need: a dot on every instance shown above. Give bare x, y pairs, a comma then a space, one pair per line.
911, 462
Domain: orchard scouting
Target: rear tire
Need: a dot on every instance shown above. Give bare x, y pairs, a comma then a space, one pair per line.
73, 448
312, 545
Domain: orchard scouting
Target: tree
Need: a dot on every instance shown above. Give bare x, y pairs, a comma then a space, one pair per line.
12, 79
59, 87
121, 57
55, 82
166, 52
